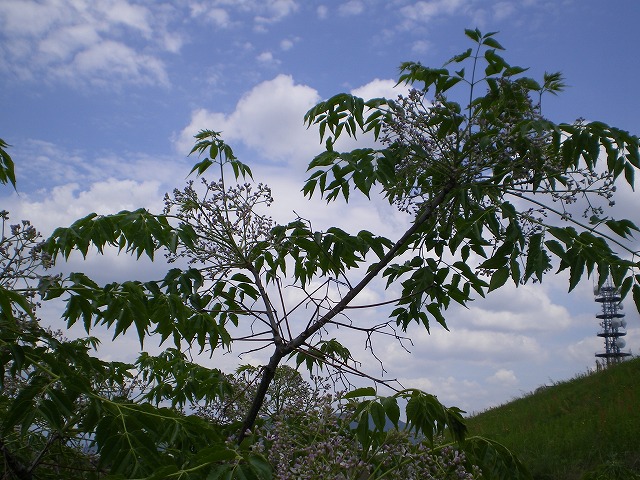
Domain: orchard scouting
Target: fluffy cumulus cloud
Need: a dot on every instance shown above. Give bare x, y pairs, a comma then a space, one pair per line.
267, 119
380, 88
266, 129
503, 376
79, 42
68, 202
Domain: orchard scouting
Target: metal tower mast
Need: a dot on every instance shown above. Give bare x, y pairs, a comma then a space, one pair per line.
612, 323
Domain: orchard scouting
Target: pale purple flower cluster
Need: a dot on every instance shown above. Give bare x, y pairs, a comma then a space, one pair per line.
319, 442
225, 218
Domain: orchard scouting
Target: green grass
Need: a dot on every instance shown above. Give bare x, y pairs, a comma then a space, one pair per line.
583, 426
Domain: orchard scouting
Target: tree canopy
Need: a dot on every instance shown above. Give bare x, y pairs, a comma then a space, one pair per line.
495, 192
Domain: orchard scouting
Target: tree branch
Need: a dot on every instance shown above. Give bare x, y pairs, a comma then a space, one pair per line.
269, 370
375, 270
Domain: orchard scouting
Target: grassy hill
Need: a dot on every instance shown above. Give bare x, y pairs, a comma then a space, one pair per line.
586, 426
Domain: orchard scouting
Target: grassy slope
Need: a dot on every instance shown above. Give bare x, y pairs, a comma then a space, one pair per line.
570, 428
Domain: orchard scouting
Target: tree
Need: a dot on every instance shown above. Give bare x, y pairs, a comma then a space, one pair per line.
488, 183
287, 389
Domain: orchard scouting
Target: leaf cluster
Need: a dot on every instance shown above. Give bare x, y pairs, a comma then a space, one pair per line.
501, 167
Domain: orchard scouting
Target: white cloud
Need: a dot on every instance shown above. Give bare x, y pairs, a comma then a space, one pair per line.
423, 11
380, 88
266, 58
220, 17
502, 10
261, 12
173, 42
482, 345
267, 119
56, 186
40, 165
526, 308
24, 18
503, 377
463, 347
64, 40
121, 12
108, 61
276, 10
61, 44
286, 44
66, 203
585, 348
421, 47
322, 11
352, 7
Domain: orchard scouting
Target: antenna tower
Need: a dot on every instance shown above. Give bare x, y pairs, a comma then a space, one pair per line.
612, 323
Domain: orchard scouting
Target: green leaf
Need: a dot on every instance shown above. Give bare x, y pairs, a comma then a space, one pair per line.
392, 410
510, 71
530, 83
473, 34
7, 167
626, 286
566, 235
491, 42
24, 405
427, 416
361, 392
362, 430
495, 262
537, 259
494, 459
556, 248
575, 272
260, 467
636, 296
378, 415
499, 278
10, 299
215, 454
165, 473
460, 57
629, 172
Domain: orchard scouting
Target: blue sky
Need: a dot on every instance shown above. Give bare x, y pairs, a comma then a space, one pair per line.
100, 100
